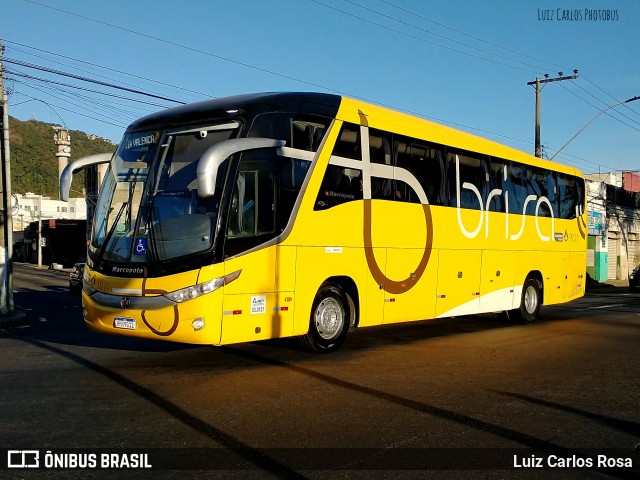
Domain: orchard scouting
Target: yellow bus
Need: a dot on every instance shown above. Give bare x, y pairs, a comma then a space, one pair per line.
304, 214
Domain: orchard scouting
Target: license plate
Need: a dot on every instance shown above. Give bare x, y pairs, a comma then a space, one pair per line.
125, 323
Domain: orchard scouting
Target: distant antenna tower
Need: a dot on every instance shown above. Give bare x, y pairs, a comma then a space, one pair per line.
62, 140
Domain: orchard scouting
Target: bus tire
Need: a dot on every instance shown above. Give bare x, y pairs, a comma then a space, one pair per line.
529, 303
330, 320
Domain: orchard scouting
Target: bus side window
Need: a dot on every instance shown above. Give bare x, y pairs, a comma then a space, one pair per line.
243, 206
472, 168
543, 185
496, 182
348, 142
339, 185
516, 186
580, 193
568, 196
300, 131
425, 161
380, 143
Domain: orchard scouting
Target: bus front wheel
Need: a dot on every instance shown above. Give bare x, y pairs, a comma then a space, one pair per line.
529, 303
330, 319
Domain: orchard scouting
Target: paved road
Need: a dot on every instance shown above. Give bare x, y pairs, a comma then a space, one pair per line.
389, 400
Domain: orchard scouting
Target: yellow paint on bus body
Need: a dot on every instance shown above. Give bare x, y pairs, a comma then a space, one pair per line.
482, 270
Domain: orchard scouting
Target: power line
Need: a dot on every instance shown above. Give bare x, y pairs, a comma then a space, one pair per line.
389, 17
119, 125
605, 103
90, 80
379, 103
254, 67
13, 72
185, 47
628, 107
441, 36
598, 108
416, 37
52, 109
468, 34
98, 66
111, 106
325, 88
497, 46
70, 102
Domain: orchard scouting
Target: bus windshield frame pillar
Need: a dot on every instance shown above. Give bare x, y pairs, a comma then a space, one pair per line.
213, 157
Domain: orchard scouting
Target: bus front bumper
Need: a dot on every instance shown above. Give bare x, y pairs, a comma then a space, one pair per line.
154, 317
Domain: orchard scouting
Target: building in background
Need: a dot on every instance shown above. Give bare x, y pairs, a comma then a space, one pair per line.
613, 206
62, 245
31, 207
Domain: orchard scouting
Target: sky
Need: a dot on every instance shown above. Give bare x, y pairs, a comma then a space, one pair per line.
465, 64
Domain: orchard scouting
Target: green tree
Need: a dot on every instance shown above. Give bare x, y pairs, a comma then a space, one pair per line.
34, 166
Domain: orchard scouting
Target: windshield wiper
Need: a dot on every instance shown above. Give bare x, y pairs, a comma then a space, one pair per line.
107, 239
148, 218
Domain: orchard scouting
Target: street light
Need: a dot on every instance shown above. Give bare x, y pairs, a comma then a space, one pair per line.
591, 121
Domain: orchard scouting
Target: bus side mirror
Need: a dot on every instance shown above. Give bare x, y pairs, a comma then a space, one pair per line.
213, 157
80, 163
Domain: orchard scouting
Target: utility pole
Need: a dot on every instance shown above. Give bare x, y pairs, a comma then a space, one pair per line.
537, 83
39, 241
6, 236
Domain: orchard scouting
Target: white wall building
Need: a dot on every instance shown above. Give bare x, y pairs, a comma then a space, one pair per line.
610, 178
30, 207
613, 247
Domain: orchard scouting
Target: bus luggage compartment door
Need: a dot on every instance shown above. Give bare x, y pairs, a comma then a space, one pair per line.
458, 291
259, 304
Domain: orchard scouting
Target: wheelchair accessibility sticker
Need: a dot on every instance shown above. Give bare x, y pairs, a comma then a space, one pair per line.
141, 246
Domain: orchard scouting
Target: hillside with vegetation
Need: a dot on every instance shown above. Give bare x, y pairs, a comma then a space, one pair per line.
34, 166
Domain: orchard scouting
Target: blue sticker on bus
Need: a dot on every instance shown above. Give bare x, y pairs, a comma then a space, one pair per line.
141, 246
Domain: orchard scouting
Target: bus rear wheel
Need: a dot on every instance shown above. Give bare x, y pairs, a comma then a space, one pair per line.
330, 320
529, 303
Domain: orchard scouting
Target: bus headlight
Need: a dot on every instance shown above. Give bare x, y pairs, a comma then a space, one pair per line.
196, 291
86, 284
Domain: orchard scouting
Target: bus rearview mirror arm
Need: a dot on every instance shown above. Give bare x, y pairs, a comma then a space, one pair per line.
213, 157
80, 163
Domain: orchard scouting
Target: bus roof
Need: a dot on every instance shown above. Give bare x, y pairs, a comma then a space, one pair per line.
333, 106
226, 107
352, 110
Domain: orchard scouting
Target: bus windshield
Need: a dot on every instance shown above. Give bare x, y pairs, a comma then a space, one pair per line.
149, 208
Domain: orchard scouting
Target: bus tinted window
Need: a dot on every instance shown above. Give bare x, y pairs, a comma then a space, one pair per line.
291, 173
304, 132
516, 186
348, 142
425, 162
542, 184
339, 185
382, 185
471, 168
342, 184
570, 195
178, 170
496, 202
264, 195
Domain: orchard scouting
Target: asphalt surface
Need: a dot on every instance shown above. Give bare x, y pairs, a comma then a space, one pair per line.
453, 398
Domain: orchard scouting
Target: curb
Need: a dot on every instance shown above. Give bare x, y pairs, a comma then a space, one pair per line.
45, 270
17, 319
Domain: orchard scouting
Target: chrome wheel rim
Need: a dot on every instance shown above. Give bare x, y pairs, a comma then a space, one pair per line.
329, 318
530, 300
